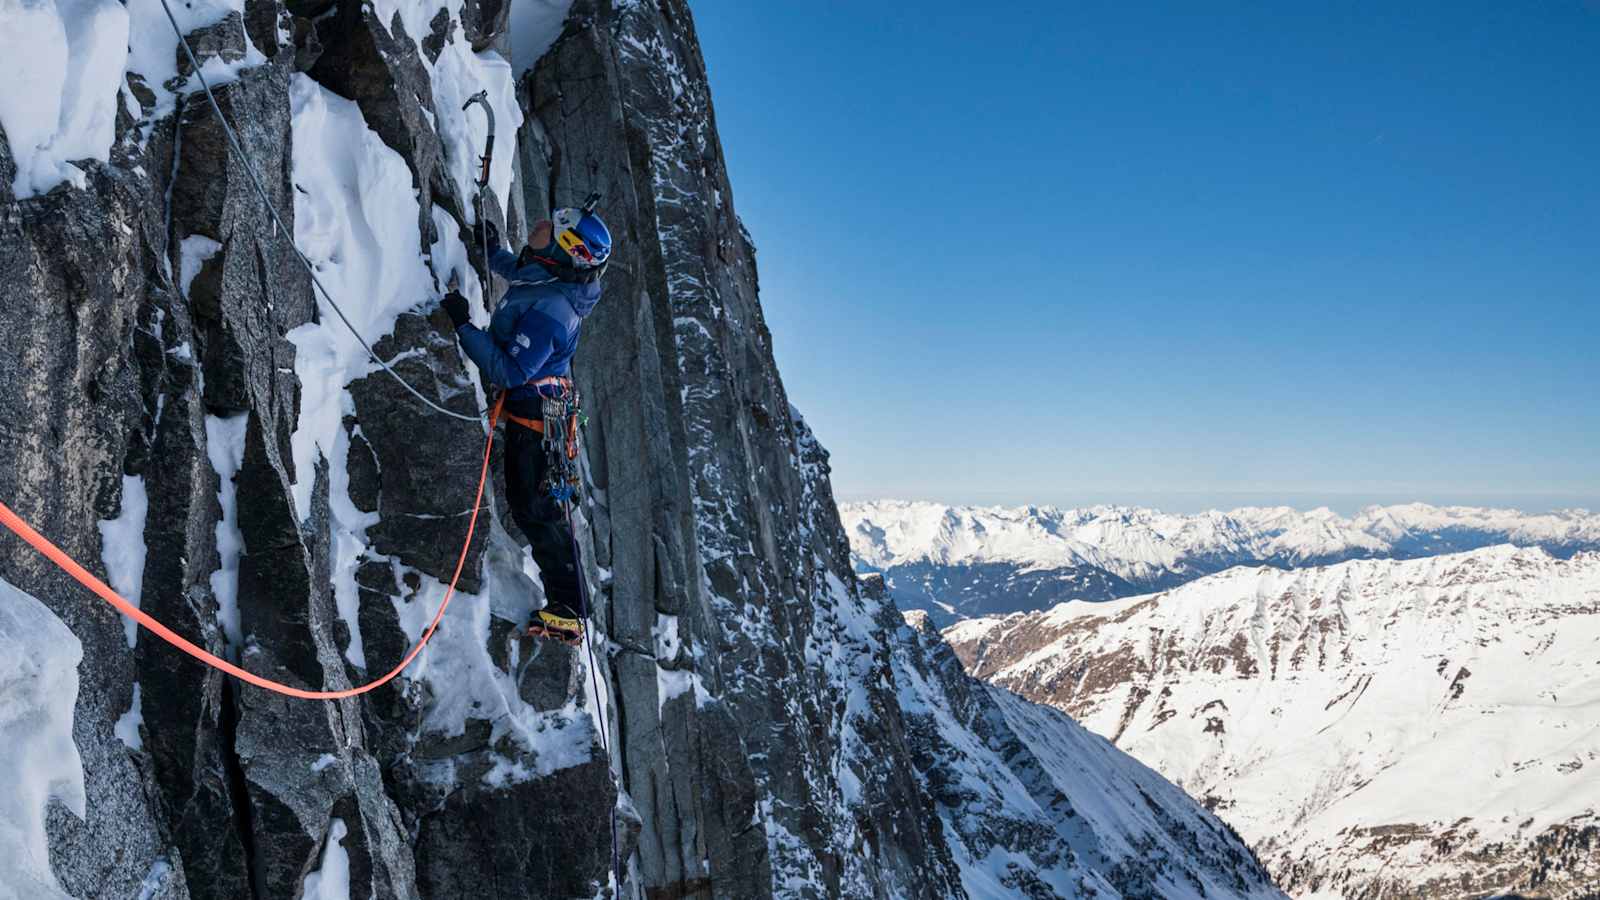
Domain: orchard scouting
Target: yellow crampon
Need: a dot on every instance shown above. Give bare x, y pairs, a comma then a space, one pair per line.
547, 624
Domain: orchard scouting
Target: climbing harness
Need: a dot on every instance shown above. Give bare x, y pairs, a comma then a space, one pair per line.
255, 180
561, 414
67, 564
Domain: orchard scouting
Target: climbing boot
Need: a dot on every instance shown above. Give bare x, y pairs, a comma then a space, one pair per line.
557, 624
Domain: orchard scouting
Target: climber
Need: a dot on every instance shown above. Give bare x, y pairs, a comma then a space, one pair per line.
553, 284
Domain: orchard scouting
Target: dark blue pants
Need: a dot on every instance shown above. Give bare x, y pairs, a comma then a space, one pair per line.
542, 520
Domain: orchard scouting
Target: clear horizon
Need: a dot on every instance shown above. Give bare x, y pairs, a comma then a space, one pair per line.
1189, 503
1163, 252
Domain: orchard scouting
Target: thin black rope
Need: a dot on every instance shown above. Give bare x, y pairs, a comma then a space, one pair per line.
255, 179
594, 679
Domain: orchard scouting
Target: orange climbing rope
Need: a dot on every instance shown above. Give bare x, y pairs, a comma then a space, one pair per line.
67, 564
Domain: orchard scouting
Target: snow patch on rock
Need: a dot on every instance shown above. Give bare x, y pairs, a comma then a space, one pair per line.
225, 449
39, 659
61, 62
123, 549
355, 218
194, 252
127, 727
535, 25
153, 49
331, 881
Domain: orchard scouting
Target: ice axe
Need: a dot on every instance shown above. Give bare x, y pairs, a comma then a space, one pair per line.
482, 99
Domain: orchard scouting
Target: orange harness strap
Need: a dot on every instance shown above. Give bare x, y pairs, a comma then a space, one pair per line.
530, 424
537, 425
67, 564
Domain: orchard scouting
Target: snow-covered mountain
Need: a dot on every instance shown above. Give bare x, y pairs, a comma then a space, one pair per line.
1376, 728
961, 561
1034, 805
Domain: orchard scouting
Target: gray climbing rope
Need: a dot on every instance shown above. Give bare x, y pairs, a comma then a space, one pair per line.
255, 179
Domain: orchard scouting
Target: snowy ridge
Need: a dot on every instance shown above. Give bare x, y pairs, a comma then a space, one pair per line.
1417, 726
968, 561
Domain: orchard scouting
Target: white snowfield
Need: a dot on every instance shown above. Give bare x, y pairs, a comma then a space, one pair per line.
39, 659
1400, 722
1140, 544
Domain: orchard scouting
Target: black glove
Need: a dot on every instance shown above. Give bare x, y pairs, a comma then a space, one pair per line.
455, 306
485, 228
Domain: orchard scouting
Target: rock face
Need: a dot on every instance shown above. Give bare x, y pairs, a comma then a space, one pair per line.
961, 562
185, 416
1374, 728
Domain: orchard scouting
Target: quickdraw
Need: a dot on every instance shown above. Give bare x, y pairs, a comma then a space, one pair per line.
562, 409
559, 425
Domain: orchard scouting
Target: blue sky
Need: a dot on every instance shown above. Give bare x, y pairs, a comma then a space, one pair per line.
1177, 254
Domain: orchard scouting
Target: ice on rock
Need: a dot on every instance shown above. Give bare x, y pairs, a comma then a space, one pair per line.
127, 727
39, 659
535, 25
225, 449
155, 879
332, 880
123, 548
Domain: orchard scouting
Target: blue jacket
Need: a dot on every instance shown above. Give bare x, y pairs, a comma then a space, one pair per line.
534, 332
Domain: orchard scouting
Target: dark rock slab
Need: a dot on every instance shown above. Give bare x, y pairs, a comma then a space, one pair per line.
429, 463
76, 270
539, 839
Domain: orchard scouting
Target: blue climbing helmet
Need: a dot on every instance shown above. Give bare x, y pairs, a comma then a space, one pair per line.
582, 235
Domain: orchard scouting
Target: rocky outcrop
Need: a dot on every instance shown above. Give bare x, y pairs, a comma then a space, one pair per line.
739, 728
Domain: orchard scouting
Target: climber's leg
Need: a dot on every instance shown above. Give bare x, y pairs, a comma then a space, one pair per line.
544, 523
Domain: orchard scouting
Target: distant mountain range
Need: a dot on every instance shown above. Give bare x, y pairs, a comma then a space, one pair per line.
1379, 728
960, 562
